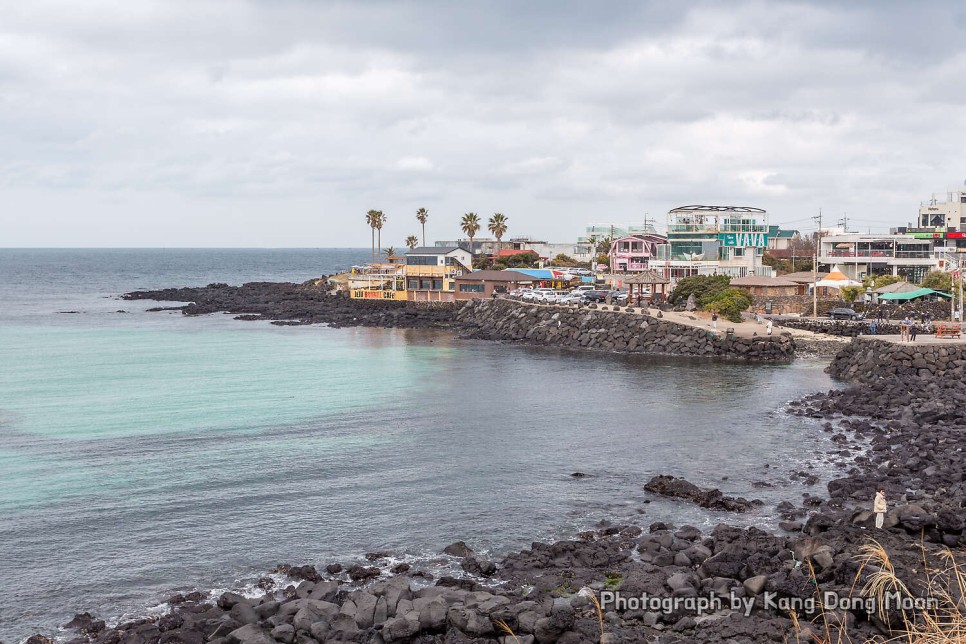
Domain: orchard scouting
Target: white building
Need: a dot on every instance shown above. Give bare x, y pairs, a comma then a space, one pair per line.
947, 211
858, 255
714, 240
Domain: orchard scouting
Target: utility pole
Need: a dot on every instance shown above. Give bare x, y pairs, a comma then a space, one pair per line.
818, 245
844, 222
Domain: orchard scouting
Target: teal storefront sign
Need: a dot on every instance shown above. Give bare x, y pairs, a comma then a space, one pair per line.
744, 240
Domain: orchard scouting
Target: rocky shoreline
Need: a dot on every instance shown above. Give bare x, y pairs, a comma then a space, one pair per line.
903, 432
286, 303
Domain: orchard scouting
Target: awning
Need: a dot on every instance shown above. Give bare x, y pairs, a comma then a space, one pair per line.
911, 295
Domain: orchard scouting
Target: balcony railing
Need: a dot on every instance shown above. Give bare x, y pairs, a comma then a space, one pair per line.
717, 228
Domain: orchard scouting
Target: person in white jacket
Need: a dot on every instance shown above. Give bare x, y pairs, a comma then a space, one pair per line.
879, 506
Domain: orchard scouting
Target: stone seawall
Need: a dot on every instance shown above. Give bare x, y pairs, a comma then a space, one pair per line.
847, 328
866, 359
612, 331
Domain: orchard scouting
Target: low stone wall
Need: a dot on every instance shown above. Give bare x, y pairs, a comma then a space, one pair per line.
866, 359
612, 331
847, 328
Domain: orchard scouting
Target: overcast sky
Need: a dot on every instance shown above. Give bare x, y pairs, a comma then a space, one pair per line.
281, 122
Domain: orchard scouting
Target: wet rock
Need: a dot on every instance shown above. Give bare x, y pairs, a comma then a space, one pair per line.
458, 549
669, 486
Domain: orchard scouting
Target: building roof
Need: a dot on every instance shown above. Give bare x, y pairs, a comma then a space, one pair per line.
647, 277
804, 277
435, 250
781, 233
739, 209
897, 287
911, 295
495, 276
758, 280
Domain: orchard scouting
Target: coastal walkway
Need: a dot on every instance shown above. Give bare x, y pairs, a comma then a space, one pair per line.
702, 320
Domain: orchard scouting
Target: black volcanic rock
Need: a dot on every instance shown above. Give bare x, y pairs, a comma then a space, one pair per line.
713, 499
287, 303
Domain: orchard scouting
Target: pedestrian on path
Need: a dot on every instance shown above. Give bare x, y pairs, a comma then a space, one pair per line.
768, 327
879, 507
714, 321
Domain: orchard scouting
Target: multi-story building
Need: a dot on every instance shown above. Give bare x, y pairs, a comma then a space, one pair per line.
909, 256
708, 240
431, 272
633, 253
944, 211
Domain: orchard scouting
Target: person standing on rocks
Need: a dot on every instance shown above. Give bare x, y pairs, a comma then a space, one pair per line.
904, 329
879, 507
873, 327
714, 321
913, 330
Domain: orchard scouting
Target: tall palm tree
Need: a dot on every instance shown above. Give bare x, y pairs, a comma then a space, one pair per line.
470, 225
412, 241
380, 220
390, 252
497, 226
421, 216
371, 218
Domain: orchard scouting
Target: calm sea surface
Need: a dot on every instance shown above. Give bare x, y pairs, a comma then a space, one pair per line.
147, 453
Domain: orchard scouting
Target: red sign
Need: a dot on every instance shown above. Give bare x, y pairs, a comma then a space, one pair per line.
956, 235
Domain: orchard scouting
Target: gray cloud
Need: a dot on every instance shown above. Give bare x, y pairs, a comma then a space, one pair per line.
232, 122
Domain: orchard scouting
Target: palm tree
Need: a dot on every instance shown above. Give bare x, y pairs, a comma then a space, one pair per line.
371, 218
421, 216
497, 226
412, 241
390, 252
470, 225
380, 220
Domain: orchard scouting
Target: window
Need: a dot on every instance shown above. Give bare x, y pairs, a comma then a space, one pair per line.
413, 285
471, 288
437, 285
421, 260
738, 252
426, 284
499, 289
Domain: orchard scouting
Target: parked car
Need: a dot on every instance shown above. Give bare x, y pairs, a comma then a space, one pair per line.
845, 314
541, 295
593, 296
620, 297
520, 292
583, 288
572, 297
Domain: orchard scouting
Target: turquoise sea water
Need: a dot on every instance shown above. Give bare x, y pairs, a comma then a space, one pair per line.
146, 453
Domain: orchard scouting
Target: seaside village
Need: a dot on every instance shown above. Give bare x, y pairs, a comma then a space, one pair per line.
910, 274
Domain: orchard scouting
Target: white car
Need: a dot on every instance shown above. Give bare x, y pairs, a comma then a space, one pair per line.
574, 297
540, 295
521, 292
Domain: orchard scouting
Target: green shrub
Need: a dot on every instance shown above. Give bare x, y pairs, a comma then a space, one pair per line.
729, 304
938, 281
850, 293
704, 287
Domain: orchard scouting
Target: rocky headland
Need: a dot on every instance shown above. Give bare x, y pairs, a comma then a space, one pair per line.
310, 302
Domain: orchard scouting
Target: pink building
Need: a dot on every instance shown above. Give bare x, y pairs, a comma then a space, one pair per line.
632, 254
